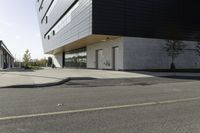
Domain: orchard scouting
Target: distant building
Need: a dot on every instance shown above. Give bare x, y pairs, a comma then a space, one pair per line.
117, 34
6, 58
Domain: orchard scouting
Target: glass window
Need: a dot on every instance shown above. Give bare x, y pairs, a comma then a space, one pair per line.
76, 58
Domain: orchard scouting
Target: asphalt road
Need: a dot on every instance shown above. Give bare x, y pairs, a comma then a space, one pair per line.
158, 105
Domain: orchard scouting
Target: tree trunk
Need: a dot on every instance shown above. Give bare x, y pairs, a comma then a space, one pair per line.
172, 67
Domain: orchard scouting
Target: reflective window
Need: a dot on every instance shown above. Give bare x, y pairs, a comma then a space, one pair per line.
76, 58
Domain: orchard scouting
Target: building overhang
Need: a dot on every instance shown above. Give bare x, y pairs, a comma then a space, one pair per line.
89, 40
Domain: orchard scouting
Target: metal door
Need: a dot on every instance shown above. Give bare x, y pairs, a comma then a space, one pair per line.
99, 59
116, 58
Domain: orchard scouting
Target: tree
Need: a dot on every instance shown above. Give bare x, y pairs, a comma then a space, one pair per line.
174, 48
27, 58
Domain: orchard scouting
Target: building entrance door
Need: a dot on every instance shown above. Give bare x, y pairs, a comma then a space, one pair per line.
99, 59
116, 58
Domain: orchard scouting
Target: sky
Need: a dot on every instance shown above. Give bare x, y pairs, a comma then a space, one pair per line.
19, 28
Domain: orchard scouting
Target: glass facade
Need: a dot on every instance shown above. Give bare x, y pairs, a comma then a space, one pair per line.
76, 58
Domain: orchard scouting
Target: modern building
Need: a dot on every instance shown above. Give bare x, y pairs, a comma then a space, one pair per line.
6, 58
117, 34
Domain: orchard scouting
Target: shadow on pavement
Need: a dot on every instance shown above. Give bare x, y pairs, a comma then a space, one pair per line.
58, 83
17, 70
129, 81
183, 77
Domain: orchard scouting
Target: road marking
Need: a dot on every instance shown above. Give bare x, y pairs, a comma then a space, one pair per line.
99, 109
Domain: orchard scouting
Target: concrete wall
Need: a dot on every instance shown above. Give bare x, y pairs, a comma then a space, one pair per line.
107, 53
137, 54
58, 60
143, 53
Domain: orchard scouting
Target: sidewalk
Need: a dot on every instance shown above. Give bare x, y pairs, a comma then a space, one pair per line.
48, 75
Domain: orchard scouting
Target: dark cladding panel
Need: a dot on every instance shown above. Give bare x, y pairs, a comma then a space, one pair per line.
149, 18
190, 15
146, 18
108, 16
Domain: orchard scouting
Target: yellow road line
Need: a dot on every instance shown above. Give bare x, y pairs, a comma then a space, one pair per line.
99, 109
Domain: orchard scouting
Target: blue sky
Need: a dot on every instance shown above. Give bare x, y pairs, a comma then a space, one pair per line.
19, 27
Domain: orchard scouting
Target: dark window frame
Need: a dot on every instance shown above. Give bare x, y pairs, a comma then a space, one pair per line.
47, 11
41, 6
72, 5
46, 19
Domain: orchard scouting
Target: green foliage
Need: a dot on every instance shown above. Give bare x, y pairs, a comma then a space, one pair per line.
39, 63
27, 58
33, 64
35, 67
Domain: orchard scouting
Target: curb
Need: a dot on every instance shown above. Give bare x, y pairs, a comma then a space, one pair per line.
39, 85
61, 82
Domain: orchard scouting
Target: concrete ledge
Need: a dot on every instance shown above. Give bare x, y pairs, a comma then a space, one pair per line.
61, 82
38, 85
